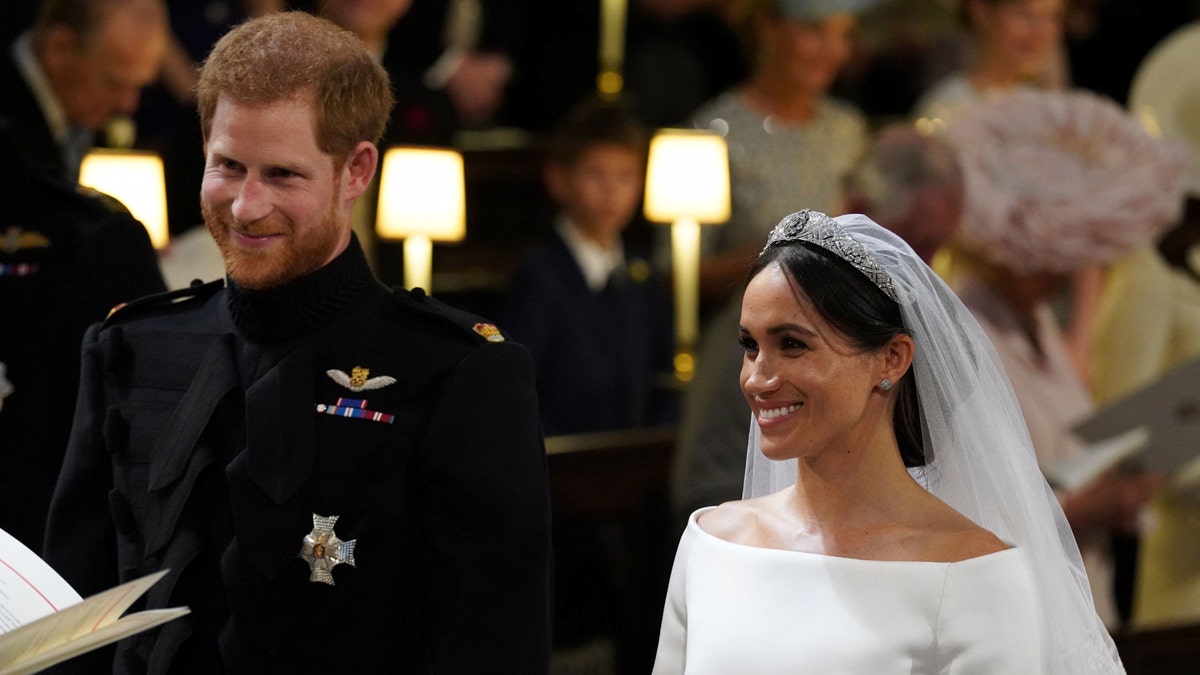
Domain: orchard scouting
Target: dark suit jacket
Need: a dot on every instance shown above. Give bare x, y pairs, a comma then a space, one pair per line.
67, 256
205, 443
598, 356
31, 133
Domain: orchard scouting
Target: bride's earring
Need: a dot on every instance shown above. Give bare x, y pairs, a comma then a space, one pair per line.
885, 384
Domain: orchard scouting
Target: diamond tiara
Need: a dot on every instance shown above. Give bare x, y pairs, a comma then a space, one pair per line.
817, 228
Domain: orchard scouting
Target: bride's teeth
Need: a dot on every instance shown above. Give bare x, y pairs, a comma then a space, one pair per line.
779, 412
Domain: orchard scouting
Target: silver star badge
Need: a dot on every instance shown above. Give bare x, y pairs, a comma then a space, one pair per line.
323, 551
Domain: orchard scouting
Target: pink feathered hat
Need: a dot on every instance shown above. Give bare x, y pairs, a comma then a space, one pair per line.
1058, 180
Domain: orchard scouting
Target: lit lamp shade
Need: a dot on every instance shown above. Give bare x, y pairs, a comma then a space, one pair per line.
421, 199
687, 183
687, 177
135, 178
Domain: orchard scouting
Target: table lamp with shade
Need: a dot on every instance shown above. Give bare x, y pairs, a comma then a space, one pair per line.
421, 200
134, 178
687, 183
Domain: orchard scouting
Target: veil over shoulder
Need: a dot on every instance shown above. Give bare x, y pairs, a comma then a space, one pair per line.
979, 457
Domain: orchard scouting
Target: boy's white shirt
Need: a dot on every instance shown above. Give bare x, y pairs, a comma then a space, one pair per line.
596, 263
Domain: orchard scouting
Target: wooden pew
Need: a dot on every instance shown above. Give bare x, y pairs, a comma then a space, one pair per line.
1171, 650
609, 503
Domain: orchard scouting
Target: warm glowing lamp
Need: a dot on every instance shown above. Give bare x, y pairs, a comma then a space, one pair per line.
134, 178
687, 183
421, 200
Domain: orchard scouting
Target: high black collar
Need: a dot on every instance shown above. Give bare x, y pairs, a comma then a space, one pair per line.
306, 304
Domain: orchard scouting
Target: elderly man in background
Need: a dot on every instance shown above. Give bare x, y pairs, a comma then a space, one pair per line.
81, 63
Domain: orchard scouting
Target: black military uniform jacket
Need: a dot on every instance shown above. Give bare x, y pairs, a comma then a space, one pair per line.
213, 427
67, 255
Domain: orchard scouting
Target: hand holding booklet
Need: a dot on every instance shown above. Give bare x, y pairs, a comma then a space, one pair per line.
1168, 412
1073, 473
43, 621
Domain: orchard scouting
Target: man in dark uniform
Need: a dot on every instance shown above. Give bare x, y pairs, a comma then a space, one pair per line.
338, 476
81, 63
67, 256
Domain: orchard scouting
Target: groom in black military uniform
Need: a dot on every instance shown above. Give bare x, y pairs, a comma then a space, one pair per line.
339, 477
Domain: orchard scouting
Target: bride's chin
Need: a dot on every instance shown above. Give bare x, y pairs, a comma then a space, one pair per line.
776, 451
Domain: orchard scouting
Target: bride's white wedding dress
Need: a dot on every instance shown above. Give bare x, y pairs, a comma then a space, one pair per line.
742, 609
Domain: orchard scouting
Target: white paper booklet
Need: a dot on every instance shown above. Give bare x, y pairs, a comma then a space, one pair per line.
1075, 472
43, 621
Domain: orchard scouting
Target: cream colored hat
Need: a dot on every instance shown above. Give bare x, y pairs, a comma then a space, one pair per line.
1165, 94
1058, 180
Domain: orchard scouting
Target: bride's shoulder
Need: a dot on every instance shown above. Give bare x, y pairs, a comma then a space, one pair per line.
738, 521
958, 538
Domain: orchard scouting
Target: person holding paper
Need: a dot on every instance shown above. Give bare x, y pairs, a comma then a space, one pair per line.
337, 475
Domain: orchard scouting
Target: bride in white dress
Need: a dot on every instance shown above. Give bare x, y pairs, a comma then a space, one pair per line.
883, 531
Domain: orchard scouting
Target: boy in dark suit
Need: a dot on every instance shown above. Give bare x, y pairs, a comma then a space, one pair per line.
591, 311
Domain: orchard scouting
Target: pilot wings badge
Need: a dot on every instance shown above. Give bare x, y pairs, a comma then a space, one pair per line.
359, 379
17, 238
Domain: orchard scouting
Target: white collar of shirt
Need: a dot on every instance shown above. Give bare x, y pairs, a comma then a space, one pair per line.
35, 77
596, 263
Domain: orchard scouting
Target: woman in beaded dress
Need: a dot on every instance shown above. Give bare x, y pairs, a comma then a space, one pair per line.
789, 141
896, 520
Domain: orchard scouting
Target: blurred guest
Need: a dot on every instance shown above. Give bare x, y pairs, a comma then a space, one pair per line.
68, 255
1148, 325
911, 184
1017, 45
789, 142
595, 318
82, 62
1056, 181
1013, 44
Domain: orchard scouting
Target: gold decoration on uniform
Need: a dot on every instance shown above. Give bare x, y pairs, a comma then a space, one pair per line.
323, 551
489, 331
359, 379
16, 239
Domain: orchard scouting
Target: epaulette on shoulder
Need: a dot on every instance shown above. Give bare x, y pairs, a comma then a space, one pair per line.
197, 291
102, 200
417, 301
